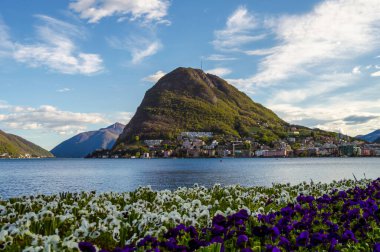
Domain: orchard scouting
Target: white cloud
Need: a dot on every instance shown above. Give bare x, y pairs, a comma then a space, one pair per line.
141, 52
139, 47
356, 70
6, 45
154, 77
122, 117
259, 52
54, 48
237, 31
49, 118
146, 10
3, 104
322, 85
335, 31
219, 57
375, 74
63, 90
220, 71
336, 119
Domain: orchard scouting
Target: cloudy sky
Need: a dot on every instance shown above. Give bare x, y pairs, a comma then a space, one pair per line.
72, 66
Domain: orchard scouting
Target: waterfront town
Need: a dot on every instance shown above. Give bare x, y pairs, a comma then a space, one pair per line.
206, 144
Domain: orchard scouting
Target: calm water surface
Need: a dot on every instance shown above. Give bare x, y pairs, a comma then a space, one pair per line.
26, 177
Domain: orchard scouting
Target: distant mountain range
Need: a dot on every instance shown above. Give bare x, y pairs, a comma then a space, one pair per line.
15, 146
373, 137
188, 99
85, 143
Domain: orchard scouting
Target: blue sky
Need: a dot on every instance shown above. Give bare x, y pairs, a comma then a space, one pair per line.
73, 66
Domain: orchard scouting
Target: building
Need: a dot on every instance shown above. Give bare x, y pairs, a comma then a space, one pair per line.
193, 135
275, 153
346, 150
260, 153
153, 142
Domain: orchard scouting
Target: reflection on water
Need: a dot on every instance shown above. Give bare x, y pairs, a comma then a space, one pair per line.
25, 177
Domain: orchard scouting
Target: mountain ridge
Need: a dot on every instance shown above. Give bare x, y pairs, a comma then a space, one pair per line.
371, 137
15, 146
85, 143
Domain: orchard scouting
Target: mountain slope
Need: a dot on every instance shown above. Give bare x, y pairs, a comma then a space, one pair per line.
15, 146
84, 143
371, 137
190, 100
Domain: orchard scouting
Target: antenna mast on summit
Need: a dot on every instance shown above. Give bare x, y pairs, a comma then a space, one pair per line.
201, 65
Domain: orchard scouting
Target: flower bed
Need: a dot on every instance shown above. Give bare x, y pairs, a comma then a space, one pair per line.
336, 216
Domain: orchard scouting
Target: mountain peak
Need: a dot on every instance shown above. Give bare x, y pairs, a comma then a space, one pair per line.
185, 78
189, 99
116, 125
85, 143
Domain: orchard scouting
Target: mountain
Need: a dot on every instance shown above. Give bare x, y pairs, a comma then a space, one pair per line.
371, 137
377, 140
15, 146
188, 99
84, 143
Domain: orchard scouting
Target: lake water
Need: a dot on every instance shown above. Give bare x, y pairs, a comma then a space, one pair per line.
27, 177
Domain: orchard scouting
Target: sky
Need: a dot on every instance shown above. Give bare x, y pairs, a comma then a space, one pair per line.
73, 66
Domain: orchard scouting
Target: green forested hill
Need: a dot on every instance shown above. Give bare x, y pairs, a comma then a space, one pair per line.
190, 100
16, 146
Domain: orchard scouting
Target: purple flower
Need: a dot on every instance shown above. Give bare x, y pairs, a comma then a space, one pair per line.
300, 198
246, 250
219, 220
284, 242
242, 214
271, 248
125, 249
342, 194
217, 239
170, 244
260, 231
148, 240
241, 240
309, 199
303, 239
316, 239
349, 235
376, 247
86, 247
217, 230
354, 213
275, 233
333, 243
192, 231
287, 211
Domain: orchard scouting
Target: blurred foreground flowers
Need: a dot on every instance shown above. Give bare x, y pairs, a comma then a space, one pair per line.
339, 216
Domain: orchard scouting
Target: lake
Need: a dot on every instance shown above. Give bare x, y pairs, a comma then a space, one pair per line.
29, 177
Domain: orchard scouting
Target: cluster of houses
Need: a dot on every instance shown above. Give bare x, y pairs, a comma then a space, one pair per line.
204, 144
7, 156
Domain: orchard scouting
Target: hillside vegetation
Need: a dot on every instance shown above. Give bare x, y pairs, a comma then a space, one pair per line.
190, 100
16, 146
